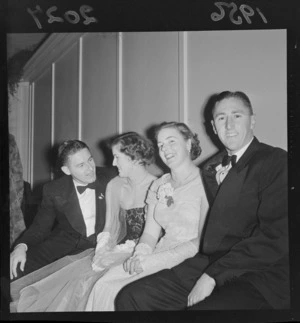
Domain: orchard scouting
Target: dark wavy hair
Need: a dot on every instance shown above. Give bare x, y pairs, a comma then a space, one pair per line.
135, 146
236, 95
186, 133
68, 148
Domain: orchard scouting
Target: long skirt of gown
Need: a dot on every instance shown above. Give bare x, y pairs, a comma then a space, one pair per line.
65, 285
103, 294
64, 290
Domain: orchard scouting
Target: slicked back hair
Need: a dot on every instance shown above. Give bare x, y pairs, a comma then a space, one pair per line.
237, 95
68, 148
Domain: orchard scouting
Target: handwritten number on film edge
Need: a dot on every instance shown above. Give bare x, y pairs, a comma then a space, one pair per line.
73, 17
70, 16
246, 11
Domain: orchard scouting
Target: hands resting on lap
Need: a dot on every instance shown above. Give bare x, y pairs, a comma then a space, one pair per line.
202, 289
106, 256
16, 257
103, 259
133, 265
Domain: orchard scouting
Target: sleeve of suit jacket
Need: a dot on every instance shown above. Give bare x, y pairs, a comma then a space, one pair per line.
47, 212
43, 221
268, 242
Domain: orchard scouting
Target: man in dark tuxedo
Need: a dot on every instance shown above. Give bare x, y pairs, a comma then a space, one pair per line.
243, 258
71, 214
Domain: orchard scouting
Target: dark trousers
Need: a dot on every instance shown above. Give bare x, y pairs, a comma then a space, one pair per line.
164, 291
56, 246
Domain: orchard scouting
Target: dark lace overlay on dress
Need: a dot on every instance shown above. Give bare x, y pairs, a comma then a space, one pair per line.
135, 222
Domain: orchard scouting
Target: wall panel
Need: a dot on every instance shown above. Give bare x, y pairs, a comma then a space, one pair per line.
150, 79
66, 96
134, 80
41, 168
99, 90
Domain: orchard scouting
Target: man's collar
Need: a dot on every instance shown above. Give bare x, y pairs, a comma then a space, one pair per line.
213, 162
240, 152
76, 183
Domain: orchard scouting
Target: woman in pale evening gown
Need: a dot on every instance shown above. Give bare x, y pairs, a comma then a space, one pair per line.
176, 211
68, 286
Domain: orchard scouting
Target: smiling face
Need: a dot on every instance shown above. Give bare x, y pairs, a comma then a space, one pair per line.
123, 162
173, 148
81, 166
233, 124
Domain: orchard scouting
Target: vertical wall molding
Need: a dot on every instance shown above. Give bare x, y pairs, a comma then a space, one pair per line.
120, 82
52, 110
80, 58
31, 133
52, 103
56, 45
183, 77
23, 122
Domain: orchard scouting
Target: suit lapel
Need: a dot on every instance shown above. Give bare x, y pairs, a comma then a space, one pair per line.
209, 176
248, 154
72, 208
222, 212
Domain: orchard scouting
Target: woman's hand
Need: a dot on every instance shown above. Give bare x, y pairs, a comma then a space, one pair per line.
133, 265
102, 242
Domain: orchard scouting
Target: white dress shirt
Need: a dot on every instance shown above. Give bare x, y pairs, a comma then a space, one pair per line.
222, 171
87, 202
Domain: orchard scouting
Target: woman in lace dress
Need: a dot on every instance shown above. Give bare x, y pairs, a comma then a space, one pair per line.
177, 208
68, 288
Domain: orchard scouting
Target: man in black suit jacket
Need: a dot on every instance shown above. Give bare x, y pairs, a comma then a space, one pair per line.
243, 257
71, 213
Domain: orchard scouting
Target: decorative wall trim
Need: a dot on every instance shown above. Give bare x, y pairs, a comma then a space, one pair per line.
183, 77
52, 109
31, 133
120, 82
23, 123
80, 58
52, 103
56, 45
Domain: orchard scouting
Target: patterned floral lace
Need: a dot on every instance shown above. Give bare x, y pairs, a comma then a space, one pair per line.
135, 221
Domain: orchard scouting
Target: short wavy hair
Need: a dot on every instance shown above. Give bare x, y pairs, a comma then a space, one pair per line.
68, 148
135, 146
186, 133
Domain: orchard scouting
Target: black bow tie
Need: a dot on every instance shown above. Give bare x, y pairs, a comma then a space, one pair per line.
81, 189
227, 159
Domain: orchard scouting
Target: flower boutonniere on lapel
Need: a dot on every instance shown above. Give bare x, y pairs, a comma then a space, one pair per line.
101, 196
219, 167
165, 194
212, 168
